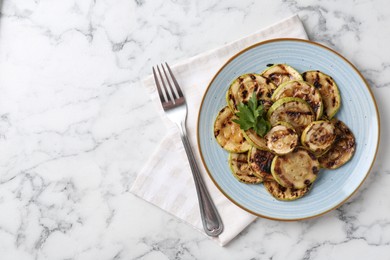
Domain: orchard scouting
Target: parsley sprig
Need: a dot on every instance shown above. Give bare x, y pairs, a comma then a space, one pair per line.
251, 115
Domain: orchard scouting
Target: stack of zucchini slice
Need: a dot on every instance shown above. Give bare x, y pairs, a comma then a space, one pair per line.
305, 135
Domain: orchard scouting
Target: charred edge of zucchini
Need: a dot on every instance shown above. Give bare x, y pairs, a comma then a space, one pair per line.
286, 194
342, 149
241, 169
228, 134
260, 162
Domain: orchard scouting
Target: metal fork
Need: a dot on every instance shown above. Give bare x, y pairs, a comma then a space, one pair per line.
174, 105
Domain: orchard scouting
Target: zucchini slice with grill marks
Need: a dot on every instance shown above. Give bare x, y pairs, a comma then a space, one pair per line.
318, 137
328, 89
241, 170
244, 86
255, 140
343, 148
260, 161
294, 111
280, 73
281, 139
303, 90
281, 193
228, 133
296, 170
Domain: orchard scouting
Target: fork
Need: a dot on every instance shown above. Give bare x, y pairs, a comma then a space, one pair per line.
175, 107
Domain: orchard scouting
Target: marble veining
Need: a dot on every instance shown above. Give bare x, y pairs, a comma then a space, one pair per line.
76, 126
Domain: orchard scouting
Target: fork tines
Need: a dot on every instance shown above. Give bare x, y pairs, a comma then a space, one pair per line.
169, 90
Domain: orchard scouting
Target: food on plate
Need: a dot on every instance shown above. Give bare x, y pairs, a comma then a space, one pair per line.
251, 115
303, 90
295, 170
241, 170
280, 73
260, 162
343, 148
281, 193
255, 140
280, 129
281, 139
228, 134
318, 137
243, 87
294, 111
328, 89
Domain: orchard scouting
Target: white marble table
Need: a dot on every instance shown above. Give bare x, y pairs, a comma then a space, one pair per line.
76, 127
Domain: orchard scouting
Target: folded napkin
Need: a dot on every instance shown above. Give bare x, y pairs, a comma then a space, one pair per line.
166, 180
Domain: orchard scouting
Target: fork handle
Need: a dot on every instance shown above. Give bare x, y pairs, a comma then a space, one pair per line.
211, 220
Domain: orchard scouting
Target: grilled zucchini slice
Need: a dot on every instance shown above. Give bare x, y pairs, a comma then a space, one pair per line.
343, 148
303, 90
228, 133
328, 89
260, 161
318, 137
241, 170
294, 111
280, 73
281, 193
255, 140
296, 170
245, 85
281, 139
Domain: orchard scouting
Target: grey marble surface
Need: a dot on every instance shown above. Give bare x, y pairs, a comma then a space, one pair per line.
76, 127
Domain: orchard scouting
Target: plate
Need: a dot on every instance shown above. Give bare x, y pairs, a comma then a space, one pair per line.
359, 111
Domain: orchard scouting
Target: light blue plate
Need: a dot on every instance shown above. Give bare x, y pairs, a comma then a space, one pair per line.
358, 111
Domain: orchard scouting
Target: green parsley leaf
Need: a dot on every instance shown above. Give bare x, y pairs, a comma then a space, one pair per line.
251, 115
253, 103
262, 126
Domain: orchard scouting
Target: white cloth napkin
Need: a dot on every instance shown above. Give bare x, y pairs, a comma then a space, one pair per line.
166, 180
